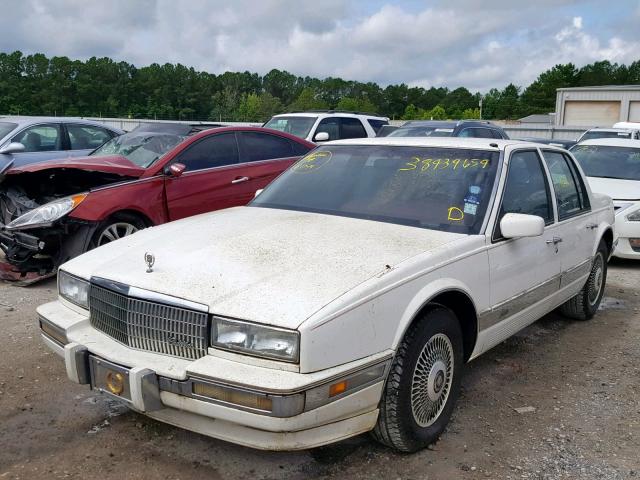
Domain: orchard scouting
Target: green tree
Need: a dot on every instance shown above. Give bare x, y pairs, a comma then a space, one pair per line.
436, 113
308, 100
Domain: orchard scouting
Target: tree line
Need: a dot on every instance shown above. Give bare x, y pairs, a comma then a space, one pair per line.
38, 85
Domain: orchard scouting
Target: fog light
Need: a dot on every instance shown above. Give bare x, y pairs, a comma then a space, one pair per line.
635, 243
115, 382
236, 397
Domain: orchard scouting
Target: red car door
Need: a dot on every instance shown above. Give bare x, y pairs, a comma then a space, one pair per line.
266, 156
213, 178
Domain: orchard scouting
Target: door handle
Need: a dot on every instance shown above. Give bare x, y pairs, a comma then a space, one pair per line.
592, 226
239, 180
554, 241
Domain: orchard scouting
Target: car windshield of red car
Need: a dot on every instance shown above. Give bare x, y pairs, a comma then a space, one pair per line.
141, 148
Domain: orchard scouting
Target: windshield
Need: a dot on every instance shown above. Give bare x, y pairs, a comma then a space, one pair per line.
437, 188
608, 162
604, 134
141, 148
421, 132
6, 128
298, 126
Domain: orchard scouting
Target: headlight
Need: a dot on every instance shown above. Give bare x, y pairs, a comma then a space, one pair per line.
74, 289
47, 213
634, 216
253, 339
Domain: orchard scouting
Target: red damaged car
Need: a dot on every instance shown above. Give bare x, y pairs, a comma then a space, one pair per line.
55, 210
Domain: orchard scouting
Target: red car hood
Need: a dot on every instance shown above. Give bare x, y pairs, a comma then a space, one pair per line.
108, 164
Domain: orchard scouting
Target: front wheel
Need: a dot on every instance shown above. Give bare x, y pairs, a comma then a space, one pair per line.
423, 384
585, 304
118, 226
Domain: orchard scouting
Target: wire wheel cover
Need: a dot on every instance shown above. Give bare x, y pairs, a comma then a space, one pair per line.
115, 231
432, 379
596, 279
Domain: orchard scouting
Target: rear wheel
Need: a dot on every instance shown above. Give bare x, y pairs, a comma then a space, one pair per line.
117, 226
423, 384
585, 304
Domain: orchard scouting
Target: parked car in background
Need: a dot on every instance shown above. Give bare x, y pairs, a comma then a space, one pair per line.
345, 298
612, 166
595, 133
385, 130
449, 128
555, 142
323, 125
25, 140
52, 211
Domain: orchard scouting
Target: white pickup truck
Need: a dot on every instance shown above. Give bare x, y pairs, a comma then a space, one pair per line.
345, 298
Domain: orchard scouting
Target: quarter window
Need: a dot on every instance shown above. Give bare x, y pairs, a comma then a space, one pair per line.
212, 151
40, 138
377, 124
476, 133
526, 190
83, 137
570, 193
259, 146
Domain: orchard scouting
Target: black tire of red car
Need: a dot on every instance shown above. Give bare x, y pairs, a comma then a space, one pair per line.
117, 226
423, 384
585, 304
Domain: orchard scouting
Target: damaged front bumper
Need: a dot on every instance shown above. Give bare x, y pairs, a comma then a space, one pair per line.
35, 254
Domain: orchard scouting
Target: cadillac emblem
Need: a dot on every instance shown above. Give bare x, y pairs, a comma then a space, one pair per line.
149, 259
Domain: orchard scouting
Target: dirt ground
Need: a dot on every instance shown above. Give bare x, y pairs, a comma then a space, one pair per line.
582, 378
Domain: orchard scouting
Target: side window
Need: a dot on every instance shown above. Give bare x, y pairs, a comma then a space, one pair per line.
331, 126
352, 128
298, 148
82, 137
377, 124
212, 151
261, 146
496, 134
40, 138
570, 194
476, 133
526, 189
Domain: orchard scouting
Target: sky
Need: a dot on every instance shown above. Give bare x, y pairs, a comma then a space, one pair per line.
478, 44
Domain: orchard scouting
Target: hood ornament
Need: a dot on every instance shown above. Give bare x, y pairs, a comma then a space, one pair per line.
149, 259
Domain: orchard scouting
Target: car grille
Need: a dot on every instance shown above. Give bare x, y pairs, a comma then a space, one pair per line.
147, 325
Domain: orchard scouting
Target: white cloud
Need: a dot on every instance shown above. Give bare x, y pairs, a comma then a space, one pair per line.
448, 43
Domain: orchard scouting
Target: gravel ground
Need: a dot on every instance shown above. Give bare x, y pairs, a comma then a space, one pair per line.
581, 380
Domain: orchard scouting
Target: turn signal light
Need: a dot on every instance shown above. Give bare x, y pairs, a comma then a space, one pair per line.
236, 397
337, 388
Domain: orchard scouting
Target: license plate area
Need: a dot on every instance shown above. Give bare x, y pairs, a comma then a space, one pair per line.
110, 378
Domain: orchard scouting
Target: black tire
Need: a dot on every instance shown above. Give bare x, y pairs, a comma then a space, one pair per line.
585, 304
116, 223
399, 425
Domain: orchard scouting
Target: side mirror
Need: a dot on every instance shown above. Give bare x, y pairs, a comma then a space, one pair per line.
176, 169
321, 137
516, 225
258, 192
13, 147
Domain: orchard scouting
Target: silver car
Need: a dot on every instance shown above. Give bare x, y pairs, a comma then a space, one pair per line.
26, 140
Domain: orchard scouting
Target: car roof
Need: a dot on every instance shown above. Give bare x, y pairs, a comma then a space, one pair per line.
331, 113
25, 121
445, 142
612, 142
610, 129
448, 123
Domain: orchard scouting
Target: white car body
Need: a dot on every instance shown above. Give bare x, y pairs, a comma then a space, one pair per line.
320, 116
629, 133
350, 287
626, 199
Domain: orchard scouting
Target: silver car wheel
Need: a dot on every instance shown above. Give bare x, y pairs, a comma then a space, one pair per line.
116, 231
432, 379
596, 279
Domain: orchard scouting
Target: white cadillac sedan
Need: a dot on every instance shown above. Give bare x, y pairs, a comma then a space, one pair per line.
612, 167
344, 299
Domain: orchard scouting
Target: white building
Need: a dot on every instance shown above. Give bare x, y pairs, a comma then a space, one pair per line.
598, 106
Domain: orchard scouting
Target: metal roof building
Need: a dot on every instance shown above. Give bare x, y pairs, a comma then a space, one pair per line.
600, 106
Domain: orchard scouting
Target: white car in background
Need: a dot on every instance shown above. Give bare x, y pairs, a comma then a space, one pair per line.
613, 168
614, 132
344, 299
325, 125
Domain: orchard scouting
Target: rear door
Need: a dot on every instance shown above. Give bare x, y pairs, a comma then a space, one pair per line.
575, 223
213, 178
84, 139
264, 156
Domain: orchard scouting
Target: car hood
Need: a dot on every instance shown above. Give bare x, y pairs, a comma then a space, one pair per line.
265, 265
616, 188
107, 164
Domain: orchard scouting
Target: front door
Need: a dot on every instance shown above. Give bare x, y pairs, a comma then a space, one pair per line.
213, 178
523, 271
